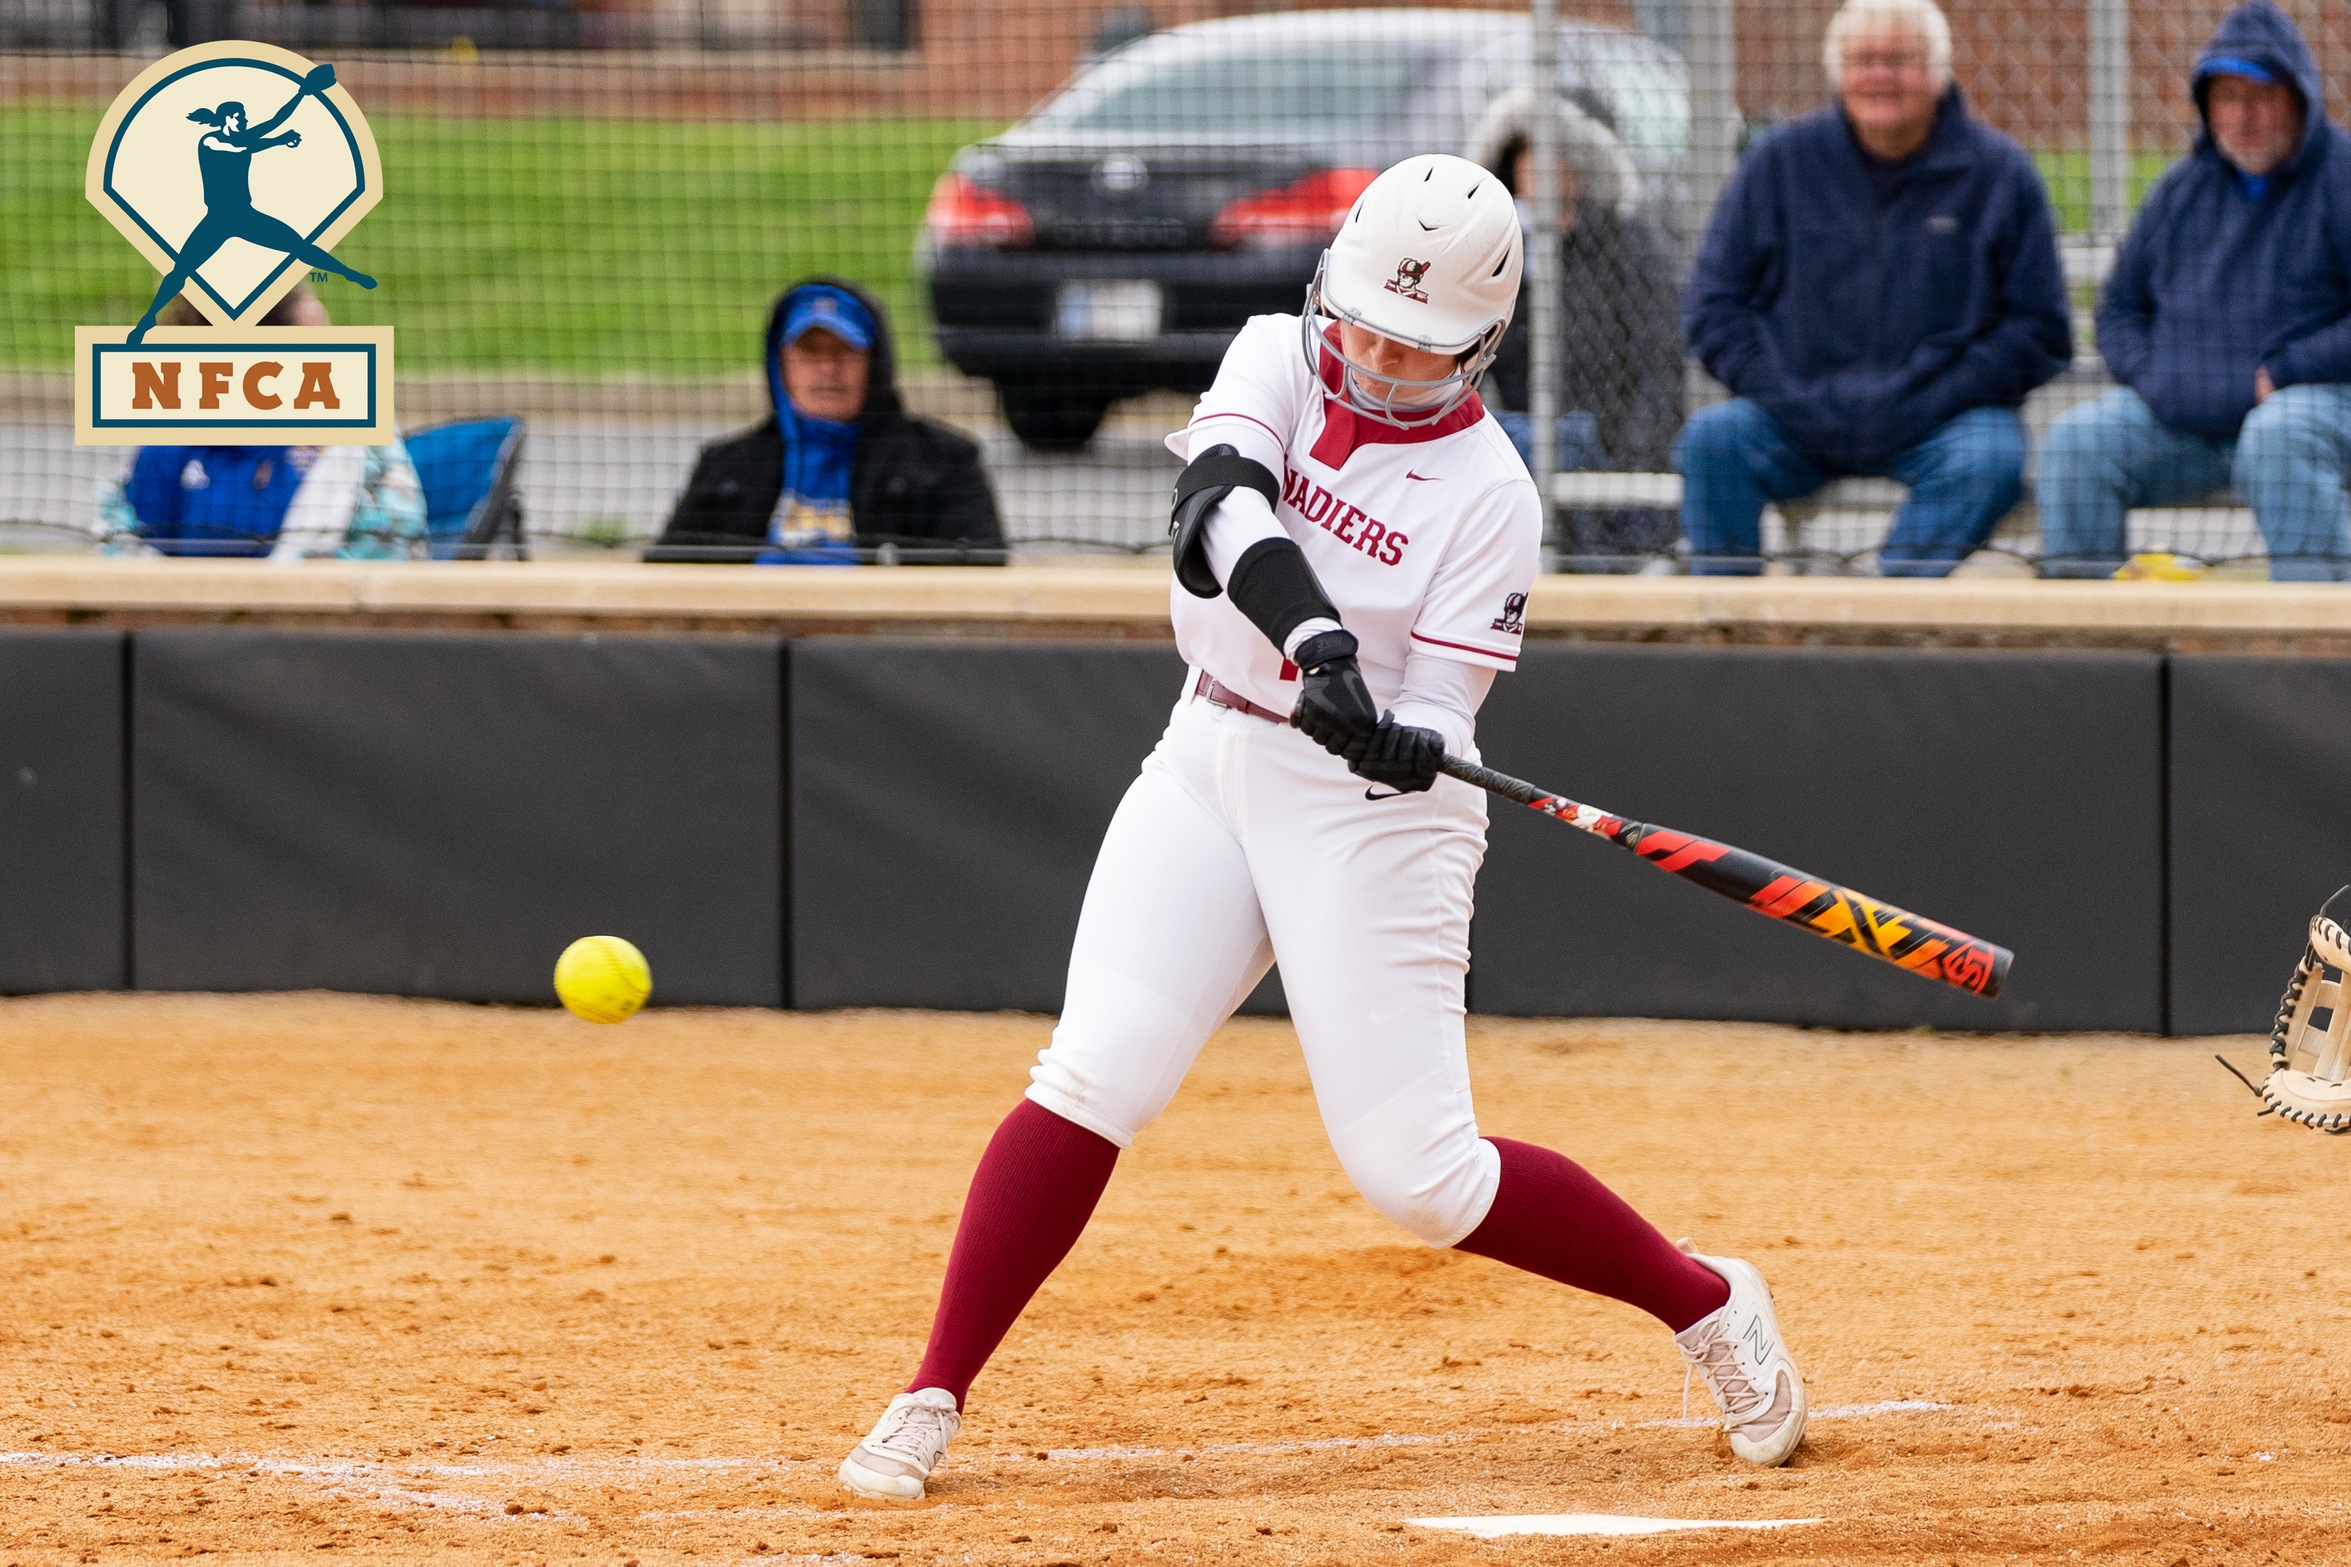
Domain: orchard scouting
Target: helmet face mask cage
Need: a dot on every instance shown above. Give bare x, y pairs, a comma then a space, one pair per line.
1430, 257
1407, 404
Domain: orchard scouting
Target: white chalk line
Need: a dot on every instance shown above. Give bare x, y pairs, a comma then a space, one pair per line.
337, 1477
427, 1485
404, 1484
1617, 1524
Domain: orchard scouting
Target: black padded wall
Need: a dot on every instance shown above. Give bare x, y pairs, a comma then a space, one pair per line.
2013, 795
61, 811
947, 800
438, 814
2260, 828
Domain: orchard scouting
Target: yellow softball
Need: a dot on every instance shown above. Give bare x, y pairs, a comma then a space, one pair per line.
603, 979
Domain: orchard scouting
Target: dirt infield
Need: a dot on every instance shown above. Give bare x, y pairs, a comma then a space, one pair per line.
425, 1282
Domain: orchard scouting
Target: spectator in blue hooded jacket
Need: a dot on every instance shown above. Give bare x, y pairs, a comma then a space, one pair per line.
2228, 322
1879, 288
841, 472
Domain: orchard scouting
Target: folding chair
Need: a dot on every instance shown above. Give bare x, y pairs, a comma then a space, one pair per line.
467, 467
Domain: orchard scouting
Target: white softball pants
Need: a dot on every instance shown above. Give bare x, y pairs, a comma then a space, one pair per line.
1243, 842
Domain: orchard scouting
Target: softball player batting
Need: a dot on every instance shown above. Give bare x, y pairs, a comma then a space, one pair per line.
1354, 542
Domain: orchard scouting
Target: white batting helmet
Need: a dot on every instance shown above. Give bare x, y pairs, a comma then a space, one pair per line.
1430, 256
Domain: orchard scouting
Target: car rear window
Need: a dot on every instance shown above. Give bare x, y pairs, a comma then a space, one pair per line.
1648, 99
1304, 88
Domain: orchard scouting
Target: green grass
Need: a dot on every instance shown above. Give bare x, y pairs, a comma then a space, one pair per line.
578, 246
2068, 177
589, 247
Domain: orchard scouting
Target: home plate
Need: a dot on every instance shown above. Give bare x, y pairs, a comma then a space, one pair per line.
1597, 1523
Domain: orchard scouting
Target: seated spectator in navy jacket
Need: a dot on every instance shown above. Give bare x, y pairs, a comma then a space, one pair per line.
840, 470
2228, 322
1879, 288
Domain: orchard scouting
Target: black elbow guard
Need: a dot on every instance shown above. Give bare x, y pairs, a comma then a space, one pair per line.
1206, 480
1276, 589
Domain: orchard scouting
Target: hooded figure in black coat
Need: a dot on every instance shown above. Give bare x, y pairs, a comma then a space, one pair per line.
1620, 371
912, 483
1622, 359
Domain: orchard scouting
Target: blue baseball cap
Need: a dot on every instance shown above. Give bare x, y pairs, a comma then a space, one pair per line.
835, 309
2231, 65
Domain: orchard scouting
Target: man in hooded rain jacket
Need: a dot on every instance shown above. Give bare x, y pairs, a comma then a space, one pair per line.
2227, 320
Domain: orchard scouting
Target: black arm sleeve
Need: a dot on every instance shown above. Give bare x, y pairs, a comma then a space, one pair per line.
1274, 586
1206, 480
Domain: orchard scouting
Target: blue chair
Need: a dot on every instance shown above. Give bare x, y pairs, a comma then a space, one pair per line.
467, 467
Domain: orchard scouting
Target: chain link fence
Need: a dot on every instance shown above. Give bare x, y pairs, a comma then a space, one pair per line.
1060, 211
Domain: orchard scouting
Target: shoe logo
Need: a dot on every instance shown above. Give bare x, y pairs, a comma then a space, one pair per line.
1425, 478
1407, 279
1759, 1341
1514, 615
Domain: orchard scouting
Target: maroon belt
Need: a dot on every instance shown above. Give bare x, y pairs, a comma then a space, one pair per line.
1221, 695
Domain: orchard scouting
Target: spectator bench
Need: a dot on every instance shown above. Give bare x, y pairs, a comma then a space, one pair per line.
1860, 509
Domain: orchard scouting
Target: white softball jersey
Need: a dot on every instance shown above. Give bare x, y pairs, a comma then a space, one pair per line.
1427, 540
1244, 843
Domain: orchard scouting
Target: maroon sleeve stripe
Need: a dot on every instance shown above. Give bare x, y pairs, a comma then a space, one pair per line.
1230, 414
1467, 647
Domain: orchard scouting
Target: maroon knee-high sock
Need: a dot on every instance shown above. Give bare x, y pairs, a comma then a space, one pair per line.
1030, 1199
1551, 1217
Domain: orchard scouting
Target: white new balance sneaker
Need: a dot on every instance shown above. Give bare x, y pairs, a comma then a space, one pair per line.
1739, 1351
907, 1446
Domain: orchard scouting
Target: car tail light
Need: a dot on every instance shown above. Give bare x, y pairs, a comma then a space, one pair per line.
964, 213
1305, 212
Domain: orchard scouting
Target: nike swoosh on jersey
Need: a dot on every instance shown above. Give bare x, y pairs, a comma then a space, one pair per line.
1425, 478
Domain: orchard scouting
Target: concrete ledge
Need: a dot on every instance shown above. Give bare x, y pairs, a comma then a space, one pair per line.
1127, 602
1774, 607
617, 595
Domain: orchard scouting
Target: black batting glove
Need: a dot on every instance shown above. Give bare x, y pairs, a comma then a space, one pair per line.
1402, 757
1334, 708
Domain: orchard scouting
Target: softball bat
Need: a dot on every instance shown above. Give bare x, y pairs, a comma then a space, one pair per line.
1781, 892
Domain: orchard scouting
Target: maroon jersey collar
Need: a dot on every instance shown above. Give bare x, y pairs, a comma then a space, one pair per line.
1344, 430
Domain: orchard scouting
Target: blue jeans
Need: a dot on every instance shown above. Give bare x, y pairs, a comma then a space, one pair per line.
1734, 457
2289, 463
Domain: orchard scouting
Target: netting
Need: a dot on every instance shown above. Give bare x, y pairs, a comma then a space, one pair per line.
1057, 215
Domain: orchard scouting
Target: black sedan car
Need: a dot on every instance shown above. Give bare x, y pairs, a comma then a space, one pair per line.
1115, 240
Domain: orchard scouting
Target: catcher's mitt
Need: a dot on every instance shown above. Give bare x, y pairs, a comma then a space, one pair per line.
2310, 1045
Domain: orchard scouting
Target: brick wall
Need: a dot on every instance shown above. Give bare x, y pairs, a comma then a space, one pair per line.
2024, 63
2025, 66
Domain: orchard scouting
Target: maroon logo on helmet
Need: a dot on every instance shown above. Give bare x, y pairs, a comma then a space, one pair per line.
1407, 279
